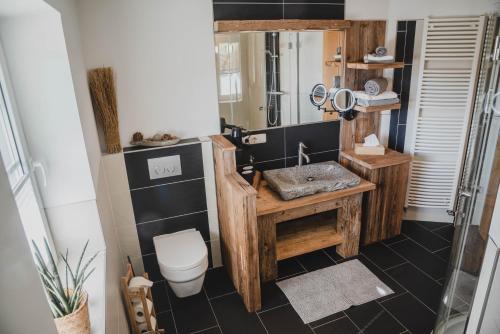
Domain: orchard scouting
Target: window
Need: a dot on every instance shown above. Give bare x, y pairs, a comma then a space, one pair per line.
227, 49
18, 166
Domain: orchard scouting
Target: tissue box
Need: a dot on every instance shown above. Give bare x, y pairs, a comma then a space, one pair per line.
369, 150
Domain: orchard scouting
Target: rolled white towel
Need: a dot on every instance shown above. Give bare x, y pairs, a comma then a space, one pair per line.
359, 94
376, 86
381, 51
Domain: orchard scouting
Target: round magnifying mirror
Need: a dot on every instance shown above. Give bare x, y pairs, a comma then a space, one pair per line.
343, 100
319, 95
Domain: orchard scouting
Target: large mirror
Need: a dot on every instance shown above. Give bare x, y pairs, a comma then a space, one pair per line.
265, 79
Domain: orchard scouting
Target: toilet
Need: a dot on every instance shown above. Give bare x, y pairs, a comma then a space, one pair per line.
183, 260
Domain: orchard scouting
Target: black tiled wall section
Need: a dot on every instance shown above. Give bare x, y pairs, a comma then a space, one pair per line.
405, 43
167, 205
280, 149
278, 9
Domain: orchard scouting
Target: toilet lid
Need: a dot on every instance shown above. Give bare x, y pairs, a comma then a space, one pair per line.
180, 251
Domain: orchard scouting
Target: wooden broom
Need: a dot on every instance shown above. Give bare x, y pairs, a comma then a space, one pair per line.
102, 91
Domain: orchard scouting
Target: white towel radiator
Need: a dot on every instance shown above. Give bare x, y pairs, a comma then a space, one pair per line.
448, 73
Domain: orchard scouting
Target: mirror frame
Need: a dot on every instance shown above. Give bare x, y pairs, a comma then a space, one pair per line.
323, 100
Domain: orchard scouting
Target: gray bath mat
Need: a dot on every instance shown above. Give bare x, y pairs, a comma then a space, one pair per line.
323, 292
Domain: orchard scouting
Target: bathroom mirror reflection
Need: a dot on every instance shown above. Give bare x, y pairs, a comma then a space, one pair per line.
265, 78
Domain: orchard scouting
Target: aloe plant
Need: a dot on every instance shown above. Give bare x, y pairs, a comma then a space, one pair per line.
64, 297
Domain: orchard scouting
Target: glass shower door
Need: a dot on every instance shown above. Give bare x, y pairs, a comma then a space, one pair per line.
473, 216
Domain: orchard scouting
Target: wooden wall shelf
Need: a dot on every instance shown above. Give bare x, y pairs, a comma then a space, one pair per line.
373, 66
377, 108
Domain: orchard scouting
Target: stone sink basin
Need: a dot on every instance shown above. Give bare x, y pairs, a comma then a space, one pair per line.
294, 182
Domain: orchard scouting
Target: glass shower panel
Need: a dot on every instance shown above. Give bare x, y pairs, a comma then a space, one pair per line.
473, 215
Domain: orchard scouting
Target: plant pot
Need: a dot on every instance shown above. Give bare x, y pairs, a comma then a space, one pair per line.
77, 322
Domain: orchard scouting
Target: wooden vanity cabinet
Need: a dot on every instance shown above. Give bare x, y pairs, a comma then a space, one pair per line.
383, 207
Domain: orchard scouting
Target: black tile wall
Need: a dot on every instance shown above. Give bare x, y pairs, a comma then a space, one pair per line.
137, 165
167, 205
147, 231
168, 200
278, 9
318, 137
405, 43
280, 149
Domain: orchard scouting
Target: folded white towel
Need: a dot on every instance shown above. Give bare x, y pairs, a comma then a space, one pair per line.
359, 94
371, 58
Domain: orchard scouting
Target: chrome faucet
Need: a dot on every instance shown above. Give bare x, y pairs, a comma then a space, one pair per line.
302, 154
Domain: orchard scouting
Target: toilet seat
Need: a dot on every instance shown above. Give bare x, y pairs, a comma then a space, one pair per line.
181, 251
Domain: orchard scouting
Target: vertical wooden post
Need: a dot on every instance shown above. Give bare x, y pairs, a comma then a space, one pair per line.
267, 248
349, 225
361, 38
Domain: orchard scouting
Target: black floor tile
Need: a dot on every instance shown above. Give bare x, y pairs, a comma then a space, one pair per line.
382, 255
315, 260
392, 240
431, 264
327, 319
233, 316
289, 267
424, 237
444, 254
428, 225
160, 296
213, 330
417, 318
272, 296
341, 326
427, 290
389, 281
283, 320
371, 318
446, 232
166, 321
332, 253
192, 313
217, 282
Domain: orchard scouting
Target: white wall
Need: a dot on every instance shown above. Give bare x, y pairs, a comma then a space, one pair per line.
163, 56
46, 63
37, 61
24, 308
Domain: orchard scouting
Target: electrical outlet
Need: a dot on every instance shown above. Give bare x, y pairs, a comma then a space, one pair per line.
259, 138
164, 167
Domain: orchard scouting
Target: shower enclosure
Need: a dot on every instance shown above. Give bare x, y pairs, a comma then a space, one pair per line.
475, 245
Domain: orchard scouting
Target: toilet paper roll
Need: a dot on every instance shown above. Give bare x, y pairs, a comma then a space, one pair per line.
143, 328
139, 282
140, 314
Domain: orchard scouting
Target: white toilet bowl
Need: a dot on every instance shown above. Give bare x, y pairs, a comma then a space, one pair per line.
183, 260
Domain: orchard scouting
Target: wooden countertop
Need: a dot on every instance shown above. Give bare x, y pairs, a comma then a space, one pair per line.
390, 158
269, 201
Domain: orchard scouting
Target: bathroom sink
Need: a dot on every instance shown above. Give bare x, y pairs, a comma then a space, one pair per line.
294, 182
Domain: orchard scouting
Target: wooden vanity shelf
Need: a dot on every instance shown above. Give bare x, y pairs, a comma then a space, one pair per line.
305, 224
377, 108
374, 66
295, 238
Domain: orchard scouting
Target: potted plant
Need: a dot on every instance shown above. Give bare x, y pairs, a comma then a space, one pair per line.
67, 299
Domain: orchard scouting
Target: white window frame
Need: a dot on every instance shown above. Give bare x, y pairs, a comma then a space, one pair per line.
7, 97
230, 72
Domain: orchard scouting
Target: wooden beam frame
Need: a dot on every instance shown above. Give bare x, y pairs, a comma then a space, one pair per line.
275, 25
